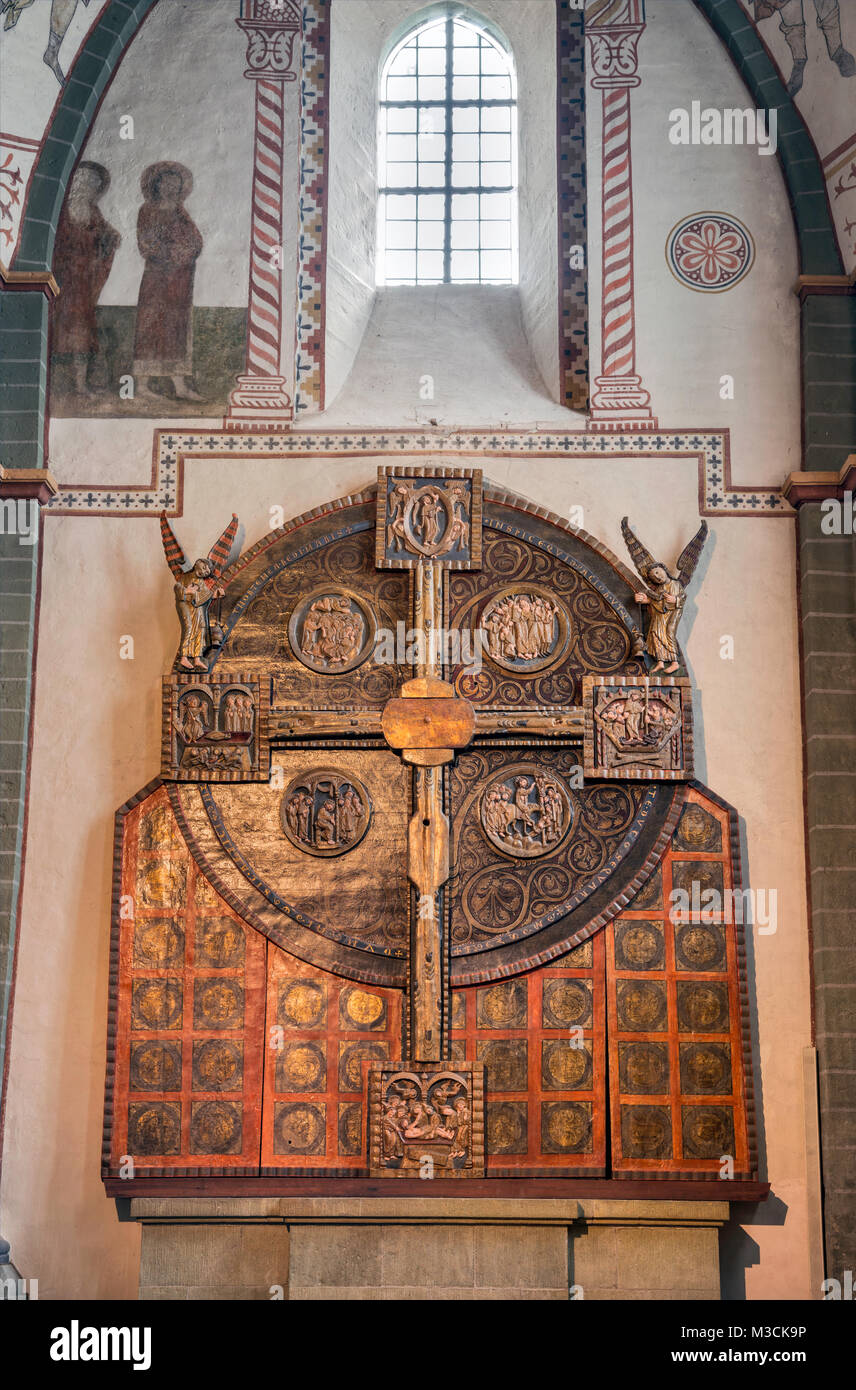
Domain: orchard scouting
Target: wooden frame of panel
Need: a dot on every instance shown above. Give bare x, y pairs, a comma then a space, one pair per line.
471, 1032
333, 1037
730, 978
127, 973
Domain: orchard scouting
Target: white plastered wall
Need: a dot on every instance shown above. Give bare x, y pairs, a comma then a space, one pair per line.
97, 716
362, 32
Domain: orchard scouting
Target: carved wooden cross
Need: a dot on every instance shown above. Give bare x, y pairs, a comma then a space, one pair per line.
427, 722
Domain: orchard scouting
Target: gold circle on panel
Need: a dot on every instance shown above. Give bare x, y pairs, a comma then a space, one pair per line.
216, 1065
642, 1005
526, 628
158, 942
699, 829
708, 1069
700, 946
641, 945
568, 1126
645, 1068
156, 1067
303, 1003
567, 1066
303, 1066
332, 630
703, 1005
363, 1008
325, 812
569, 1002
300, 1128
499, 1005
215, 1001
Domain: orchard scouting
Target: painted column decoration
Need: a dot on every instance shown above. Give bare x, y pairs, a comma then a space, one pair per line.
260, 400
619, 401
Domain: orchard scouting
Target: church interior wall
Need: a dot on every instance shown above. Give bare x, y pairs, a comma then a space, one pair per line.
97, 712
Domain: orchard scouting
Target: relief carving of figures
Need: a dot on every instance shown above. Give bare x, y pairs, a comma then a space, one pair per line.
638, 719
665, 593
194, 589
638, 726
523, 628
526, 815
85, 247
215, 724
170, 244
426, 1113
332, 631
237, 713
428, 518
325, 813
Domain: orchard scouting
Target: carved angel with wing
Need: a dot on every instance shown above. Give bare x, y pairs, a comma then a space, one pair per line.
194, 590
665, 593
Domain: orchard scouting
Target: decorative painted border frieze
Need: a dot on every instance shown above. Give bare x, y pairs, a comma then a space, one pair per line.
709, 450
17, 157
312, 234
571, 161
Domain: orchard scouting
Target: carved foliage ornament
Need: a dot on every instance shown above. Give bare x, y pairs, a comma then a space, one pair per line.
325, 813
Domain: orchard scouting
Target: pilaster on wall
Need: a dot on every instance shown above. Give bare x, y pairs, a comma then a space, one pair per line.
619, 401
25, 294
827, 569
260, 400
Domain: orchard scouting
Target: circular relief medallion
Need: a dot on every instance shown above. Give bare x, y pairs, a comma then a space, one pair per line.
526, 813
332, 630
325, 812
527, 628
710, 252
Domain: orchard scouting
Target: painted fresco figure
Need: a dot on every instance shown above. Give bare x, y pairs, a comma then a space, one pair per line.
85, 247
792, 24
62, 13
170, 244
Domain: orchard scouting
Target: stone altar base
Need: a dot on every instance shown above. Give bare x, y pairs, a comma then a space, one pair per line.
393, 1248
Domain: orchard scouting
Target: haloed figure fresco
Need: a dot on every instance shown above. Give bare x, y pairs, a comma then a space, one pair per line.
62, 13
170, 244
793, 25
85, 247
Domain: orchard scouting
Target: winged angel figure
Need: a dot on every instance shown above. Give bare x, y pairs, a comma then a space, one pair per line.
194, 590
666, 593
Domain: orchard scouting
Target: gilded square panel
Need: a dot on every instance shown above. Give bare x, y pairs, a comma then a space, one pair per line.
299, 1127
646, 1131
566, 1003
566, 1127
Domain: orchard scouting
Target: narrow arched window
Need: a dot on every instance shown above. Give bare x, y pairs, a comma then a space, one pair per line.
448, 158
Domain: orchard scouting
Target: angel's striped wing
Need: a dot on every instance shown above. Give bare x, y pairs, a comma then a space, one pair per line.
171, 548
219, 552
